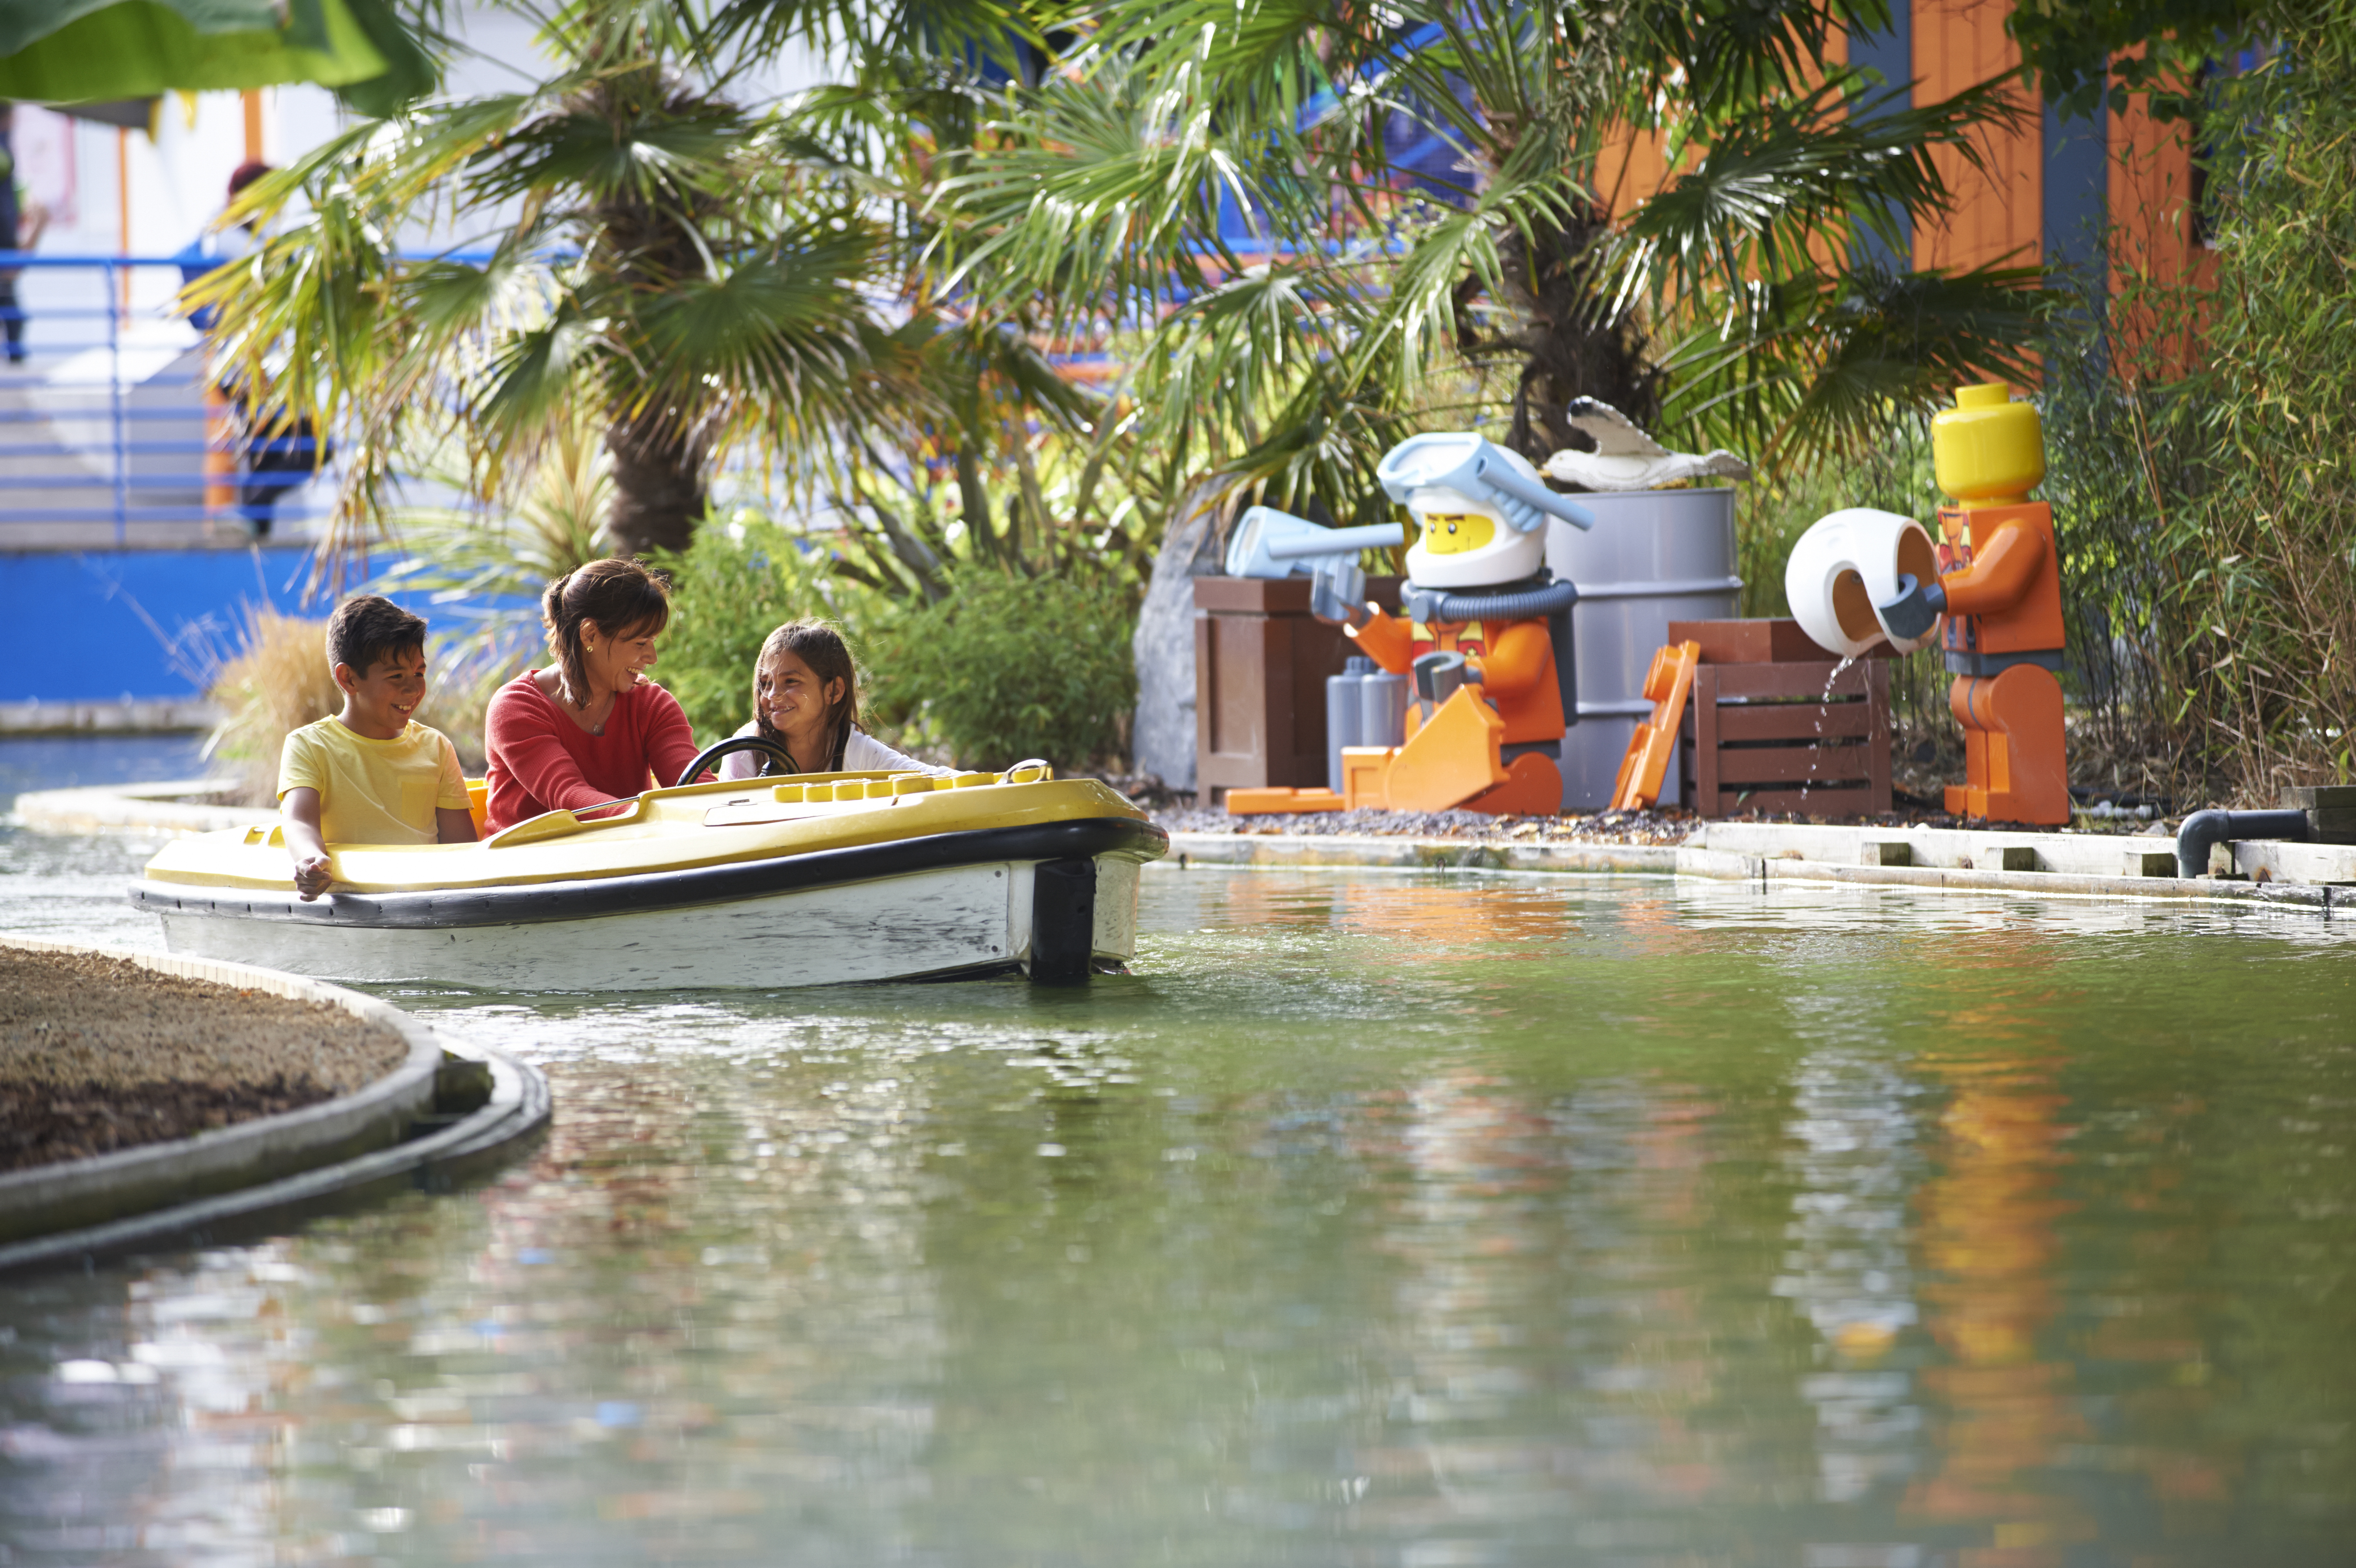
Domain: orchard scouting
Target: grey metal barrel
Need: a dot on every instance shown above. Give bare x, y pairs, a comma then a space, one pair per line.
1653, 557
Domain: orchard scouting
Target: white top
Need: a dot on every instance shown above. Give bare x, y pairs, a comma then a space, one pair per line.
863, 753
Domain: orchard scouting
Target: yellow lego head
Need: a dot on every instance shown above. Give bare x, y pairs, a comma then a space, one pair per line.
1461, 542
1988, 449
1456, 533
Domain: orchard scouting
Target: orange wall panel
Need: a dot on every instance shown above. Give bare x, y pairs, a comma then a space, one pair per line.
1999, 208
2152, 246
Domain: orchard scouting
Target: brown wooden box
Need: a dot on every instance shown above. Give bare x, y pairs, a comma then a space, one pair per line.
1260, 664
1757, 641
1811, 737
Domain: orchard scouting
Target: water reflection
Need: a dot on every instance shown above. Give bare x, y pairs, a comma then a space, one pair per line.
1849, 1268
1699, 1229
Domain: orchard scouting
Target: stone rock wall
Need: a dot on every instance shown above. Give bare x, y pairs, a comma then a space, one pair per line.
1163, 738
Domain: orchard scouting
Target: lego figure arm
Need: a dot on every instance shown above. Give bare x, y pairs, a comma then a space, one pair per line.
1999, 574
1515, 662
1386, 639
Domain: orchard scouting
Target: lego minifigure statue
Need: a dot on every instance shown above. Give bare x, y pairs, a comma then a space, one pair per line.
1483, 612
2000, 588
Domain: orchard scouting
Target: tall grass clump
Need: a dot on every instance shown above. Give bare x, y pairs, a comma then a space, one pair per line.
278, 679
2197, 441
2269, 550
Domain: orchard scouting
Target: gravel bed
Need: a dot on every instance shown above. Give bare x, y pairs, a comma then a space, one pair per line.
1670, 827
100, 1053
1603, 828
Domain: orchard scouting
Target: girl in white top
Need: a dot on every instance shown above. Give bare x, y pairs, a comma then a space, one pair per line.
806, 699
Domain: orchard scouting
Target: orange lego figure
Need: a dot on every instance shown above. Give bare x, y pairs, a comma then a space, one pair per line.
1478, 589
1999, 588
1486, 634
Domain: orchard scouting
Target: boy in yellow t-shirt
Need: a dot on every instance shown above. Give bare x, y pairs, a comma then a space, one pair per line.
371, 774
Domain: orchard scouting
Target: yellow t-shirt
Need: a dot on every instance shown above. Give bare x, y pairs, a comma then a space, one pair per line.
374, 792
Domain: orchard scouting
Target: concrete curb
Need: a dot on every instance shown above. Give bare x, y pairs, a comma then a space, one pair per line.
2304, 876
135, 715
1419, 854
82, 1193
438, 1160
1696, 858
149, 807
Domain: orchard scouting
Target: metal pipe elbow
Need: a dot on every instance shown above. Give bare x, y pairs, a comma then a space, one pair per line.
2204, 830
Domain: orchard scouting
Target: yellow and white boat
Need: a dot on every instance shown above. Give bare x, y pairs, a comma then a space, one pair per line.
817, 880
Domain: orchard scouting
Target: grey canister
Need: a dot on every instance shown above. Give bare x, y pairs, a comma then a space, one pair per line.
1342, 725
1382, 709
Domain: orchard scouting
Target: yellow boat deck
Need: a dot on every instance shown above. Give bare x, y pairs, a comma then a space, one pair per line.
666, 830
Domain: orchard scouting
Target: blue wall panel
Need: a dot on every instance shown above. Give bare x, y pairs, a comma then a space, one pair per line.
102, 625
2077, 189
1891, 54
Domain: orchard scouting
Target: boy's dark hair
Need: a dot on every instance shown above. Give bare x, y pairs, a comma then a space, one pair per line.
366, 629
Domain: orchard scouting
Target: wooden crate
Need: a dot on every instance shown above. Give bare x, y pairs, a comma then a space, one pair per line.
1260, 664
1810, 736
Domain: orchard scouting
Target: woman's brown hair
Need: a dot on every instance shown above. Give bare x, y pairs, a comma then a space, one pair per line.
623, 597
821, 647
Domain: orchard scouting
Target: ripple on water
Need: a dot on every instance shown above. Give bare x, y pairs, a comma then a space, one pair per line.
1377, 1219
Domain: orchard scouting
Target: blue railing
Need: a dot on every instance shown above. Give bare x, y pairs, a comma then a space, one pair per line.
112, 428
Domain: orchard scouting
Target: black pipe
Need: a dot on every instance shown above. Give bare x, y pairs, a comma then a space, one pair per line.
2204, 830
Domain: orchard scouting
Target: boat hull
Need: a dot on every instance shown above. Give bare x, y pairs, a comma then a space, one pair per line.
954, 905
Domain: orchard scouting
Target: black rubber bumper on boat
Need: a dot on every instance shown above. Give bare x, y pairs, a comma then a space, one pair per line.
1083, 839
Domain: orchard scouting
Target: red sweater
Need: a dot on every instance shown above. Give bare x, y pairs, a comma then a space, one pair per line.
541, 761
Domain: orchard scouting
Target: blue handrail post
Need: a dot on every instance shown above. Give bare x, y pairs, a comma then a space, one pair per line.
114, 358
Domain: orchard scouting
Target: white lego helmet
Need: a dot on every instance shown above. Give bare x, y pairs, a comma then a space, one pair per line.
1481, 509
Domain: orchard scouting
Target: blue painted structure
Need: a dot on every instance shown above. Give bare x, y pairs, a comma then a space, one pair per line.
1891, 56
103, 625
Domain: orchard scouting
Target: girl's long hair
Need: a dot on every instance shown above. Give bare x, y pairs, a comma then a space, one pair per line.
821, 647
620, 595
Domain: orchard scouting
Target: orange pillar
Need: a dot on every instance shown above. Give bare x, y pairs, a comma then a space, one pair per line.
220, 430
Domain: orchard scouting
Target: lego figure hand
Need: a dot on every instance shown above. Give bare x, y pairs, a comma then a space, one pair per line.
1917, 606
1337, 594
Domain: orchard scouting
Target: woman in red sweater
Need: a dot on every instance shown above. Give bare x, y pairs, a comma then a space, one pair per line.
590, 729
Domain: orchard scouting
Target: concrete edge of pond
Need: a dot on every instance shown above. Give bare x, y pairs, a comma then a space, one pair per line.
392, 1130
171, 806
1760, 861
76, 1194
439, 1160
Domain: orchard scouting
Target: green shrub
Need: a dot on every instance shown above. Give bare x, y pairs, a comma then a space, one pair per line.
735, 583
1008, 666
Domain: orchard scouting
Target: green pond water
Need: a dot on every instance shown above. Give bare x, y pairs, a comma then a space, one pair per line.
1377, 1219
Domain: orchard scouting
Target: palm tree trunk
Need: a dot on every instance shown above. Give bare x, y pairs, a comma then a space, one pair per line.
658, 490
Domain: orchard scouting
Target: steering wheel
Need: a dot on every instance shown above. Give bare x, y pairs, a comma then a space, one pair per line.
710, 755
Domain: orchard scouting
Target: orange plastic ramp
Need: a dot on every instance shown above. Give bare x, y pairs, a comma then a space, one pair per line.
1647, 764
1282, 802
1533, 787
1365, 770
1449, 760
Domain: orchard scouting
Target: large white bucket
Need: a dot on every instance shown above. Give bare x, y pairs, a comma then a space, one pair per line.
1847, 562
1653, 557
